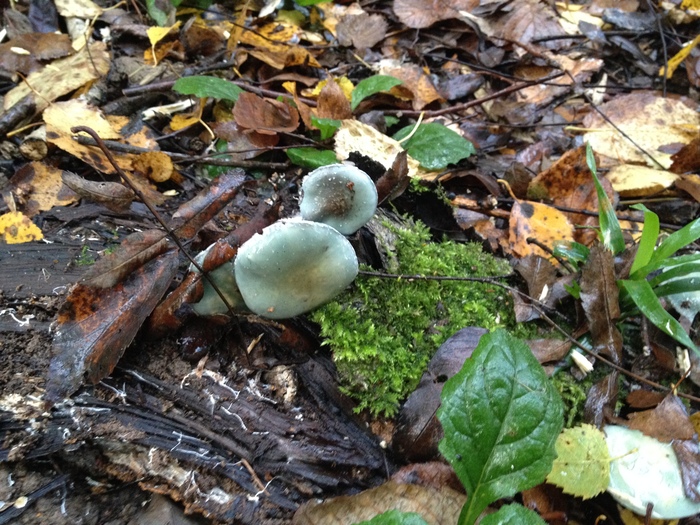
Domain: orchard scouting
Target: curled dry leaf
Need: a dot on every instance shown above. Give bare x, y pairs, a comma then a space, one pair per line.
112, 195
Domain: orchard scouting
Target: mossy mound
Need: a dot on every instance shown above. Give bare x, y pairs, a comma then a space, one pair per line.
384, 331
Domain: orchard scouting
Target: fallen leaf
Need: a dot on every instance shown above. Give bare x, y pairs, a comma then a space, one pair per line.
687, 159
17, 228
532, 220
667, 422
361, 30
113, 195
242, 143
649, 119
85, 9
353, 135
60, 117
415, 80
424, 13
41, 47
271, 45
38, 187
436, 507
95, 325
264, 115
640, 181
599, 298
155, 165
61, 77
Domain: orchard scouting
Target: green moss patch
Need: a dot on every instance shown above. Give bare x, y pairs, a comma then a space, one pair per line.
383, 331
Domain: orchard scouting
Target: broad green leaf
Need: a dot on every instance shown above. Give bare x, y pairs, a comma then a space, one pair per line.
501, 417
395, 517
207, 87
435, 146
582, 467
650, 234
327, 126
609, 225
513, 514
311, 157
159, 16
370, 86
643, 296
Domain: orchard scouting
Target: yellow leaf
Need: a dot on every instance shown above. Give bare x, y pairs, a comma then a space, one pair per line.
181, 121
156, 34
678, 58
16, 228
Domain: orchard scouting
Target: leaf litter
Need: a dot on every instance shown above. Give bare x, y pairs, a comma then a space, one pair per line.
491, 102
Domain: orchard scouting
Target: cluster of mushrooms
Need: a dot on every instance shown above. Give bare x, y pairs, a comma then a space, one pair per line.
298, 264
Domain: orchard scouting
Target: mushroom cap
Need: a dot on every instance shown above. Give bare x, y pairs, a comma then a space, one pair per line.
211, 304
293, 267
340, 196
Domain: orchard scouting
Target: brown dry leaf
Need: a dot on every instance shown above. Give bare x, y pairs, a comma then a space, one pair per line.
264, 115
639, 181
17, 228
652, 121
690, 184
353, 135
688, 158
38, 187
61, 77
530, 20
95, 325
243, 144
436, 507
361, 30
540, 275
113, 195
270, 45
415, 80
155, 165
201, 38
540, 222
667, 422
41, 47
134, 251
424, 13
569, 183
332, 102
599, 299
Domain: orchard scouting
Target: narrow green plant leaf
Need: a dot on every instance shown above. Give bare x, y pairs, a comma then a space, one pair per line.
513, 514
650, 235
434, 145
327, 126
395, 517
310, 2
674, 271
370, 86
686, 284
207, 87
674, 242
576, 253
643, 296
582, 467
610, 230
311, 157
501, 417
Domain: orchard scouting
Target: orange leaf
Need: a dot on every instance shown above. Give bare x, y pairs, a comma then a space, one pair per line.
540, 222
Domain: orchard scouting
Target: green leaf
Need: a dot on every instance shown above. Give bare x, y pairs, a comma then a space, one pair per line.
310, 2
582, 467
686, 284
645, 299
650, 234
327, 126
395, 517
370, 86
513, 514
311, 157
671, 244
159, 16
203, 87
501, 417
574, 252
435, 146
609, 225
